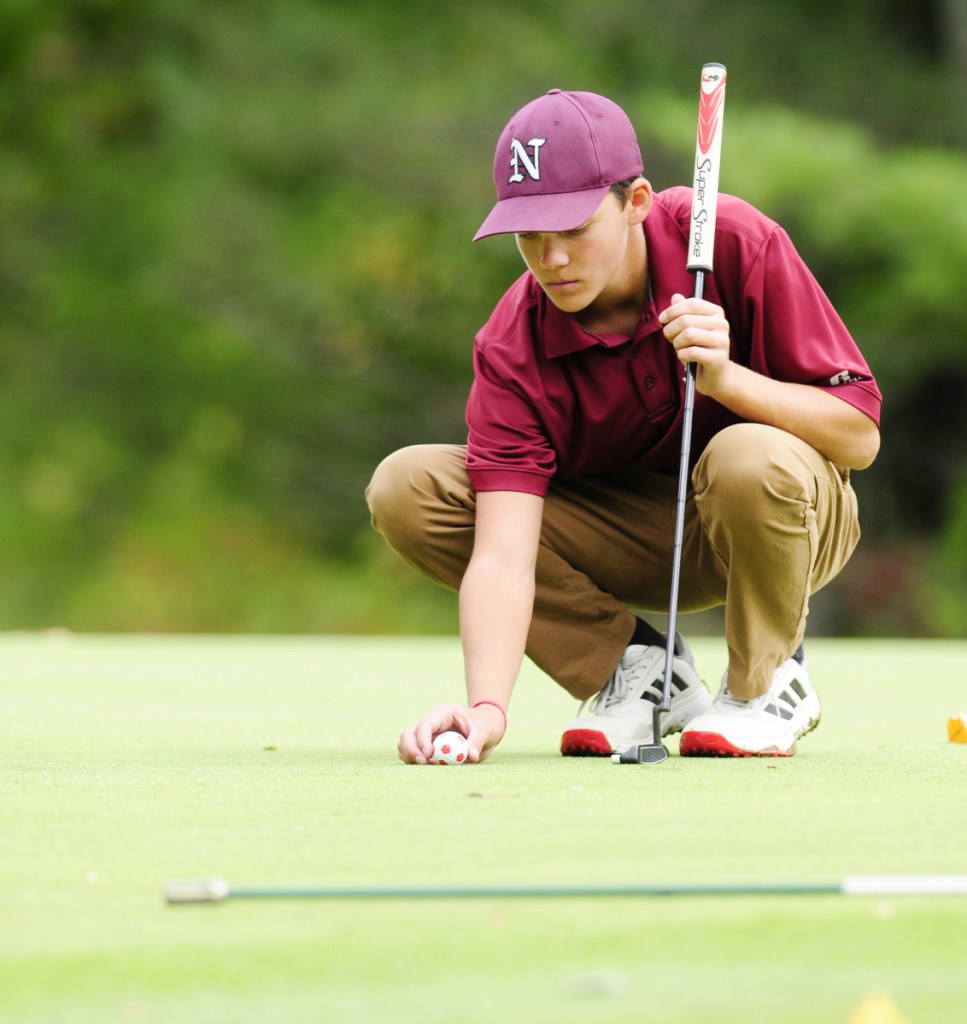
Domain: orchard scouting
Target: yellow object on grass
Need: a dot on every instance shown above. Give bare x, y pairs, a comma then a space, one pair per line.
957, 728
876, 1008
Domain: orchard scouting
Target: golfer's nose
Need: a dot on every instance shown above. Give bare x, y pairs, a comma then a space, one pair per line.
553, 253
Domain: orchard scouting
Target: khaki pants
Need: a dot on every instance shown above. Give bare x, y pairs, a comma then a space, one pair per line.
768, 521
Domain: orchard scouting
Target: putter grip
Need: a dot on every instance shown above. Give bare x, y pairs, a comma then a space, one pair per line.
196, 890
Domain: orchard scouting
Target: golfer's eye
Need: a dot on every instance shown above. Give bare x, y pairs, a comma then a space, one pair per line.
527, 236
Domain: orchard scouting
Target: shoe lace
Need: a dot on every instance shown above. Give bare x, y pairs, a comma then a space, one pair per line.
730, 700
613, 692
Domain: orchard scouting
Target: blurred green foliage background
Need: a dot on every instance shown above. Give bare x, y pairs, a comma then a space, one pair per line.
236, 271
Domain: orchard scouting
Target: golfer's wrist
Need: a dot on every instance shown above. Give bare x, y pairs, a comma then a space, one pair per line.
484, 702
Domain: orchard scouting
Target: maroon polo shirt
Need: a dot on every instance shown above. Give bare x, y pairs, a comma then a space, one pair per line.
551, 398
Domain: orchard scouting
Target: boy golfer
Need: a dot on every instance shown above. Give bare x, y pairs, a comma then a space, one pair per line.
555, 520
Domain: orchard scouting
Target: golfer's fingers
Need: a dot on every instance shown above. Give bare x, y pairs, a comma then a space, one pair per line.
684, 314
711, 327
681, 305
484, 736
407, 746
416, 742
701, 338
476, 738
704, 347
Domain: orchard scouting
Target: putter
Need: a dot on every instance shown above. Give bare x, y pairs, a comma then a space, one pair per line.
701, 239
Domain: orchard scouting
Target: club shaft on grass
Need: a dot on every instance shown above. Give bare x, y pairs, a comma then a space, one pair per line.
217, 890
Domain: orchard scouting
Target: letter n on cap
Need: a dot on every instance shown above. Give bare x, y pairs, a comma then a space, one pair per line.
519, 156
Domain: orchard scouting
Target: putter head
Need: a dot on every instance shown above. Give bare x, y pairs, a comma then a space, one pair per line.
644, 753
652, 753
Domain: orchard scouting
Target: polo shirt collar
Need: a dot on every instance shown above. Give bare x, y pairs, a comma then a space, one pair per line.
667, 274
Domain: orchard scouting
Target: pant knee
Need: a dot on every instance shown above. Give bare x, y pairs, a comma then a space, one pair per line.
391, 494
389, 481
406, 487
750, 472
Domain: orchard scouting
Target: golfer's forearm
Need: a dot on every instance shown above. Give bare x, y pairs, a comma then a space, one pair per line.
495, 612
836, 429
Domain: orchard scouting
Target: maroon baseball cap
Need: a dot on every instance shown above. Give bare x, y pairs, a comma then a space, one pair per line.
556, 160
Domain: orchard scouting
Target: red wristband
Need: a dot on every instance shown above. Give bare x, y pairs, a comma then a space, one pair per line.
492, 703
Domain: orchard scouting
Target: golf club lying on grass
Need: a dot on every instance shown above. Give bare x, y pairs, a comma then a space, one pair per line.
217, 890
701, 240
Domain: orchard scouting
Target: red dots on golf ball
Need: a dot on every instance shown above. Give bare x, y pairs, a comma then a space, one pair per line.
450, 748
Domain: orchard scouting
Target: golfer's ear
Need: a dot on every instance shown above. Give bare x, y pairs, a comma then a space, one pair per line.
640, 196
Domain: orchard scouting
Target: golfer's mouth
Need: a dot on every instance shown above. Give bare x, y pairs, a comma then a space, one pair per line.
560, 286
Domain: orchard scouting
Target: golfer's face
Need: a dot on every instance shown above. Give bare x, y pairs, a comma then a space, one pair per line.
576, 268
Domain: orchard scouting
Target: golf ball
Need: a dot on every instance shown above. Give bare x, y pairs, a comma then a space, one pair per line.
449, 748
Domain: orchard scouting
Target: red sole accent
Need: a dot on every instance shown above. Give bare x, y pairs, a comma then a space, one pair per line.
711, 744
585, 743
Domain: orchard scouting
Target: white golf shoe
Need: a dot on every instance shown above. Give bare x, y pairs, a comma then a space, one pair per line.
766, 726
622, 713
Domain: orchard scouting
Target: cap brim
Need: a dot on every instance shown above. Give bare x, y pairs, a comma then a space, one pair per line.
563, 211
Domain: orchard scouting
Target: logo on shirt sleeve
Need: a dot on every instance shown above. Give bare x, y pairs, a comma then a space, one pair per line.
844, 377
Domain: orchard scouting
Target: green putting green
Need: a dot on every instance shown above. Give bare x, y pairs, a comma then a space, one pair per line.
128, 761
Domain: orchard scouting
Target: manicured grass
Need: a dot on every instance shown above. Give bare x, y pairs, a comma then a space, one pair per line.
131, 760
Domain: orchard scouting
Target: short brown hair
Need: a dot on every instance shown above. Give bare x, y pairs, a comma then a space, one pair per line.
620, 189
